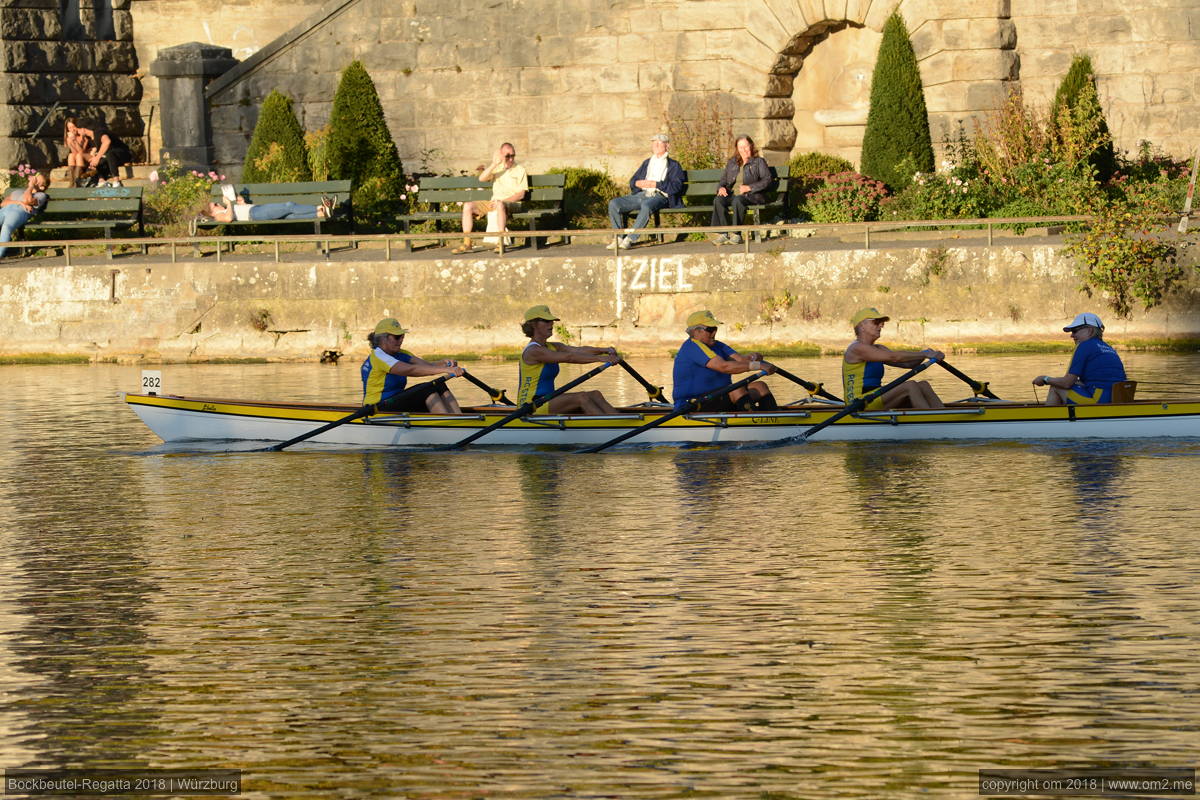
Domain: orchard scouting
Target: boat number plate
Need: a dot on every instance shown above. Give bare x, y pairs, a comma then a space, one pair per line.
151, 381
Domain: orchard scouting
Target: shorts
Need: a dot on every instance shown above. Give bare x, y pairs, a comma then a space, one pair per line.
1079, 399
414, 401
874, 405
481, 208
718, 404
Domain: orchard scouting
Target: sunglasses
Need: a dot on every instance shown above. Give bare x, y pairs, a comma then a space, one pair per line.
711, 329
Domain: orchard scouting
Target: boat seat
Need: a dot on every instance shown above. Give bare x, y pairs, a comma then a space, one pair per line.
1123, 391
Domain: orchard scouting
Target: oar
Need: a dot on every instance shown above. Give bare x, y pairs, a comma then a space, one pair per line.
497, 395
814, 388
857, 405
655, 392
365, 411
976, 386
525, 409
693, 405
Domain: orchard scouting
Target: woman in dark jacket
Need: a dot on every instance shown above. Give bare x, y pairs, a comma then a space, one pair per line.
746, 180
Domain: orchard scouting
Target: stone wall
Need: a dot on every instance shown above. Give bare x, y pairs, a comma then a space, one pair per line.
587, 82
244, 26
200, 310
87, 64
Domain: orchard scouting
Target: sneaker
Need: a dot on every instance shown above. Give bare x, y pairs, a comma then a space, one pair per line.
735, 238
613, 245
115, 183
624, 243
720, 239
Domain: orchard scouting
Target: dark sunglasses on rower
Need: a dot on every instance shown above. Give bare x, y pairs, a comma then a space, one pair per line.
711, 329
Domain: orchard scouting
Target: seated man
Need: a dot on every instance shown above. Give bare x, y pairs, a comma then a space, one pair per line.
862, 367
110, 153
658, 183
510, 184
20, 206
1094, 368
703, 365
539, 367
387, 369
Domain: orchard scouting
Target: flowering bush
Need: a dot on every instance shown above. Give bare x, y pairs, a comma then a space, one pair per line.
1120, 255
175, 196
846, 197
19, 178
935, 195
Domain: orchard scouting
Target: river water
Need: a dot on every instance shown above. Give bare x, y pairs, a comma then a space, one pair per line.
826, 620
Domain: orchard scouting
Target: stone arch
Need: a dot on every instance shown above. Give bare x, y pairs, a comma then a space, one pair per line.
965, 51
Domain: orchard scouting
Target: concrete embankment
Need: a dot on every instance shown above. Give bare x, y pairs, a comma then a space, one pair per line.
249, 306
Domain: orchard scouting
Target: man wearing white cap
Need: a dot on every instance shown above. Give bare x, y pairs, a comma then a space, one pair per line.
658, 183
1094, 368
704, 365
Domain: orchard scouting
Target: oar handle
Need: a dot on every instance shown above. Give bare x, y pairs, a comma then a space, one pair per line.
497, 395
527, 408
862, 402
655, 392
814, 388
692, 405
977, 387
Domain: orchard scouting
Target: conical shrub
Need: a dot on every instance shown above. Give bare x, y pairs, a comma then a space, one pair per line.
361, 146
277, 153
897, 142
1077, 93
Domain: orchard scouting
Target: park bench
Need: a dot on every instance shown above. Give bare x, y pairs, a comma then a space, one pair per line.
544, 202
307, 192
101, 208
700, 189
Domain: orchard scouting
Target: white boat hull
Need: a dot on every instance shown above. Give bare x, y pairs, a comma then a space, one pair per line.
176, 419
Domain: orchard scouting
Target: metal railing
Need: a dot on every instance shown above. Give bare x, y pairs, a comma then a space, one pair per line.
392, 242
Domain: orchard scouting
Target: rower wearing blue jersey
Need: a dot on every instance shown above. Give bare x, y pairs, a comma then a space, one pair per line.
863, 363
539, 367
1094, 368
387, 369
704, 365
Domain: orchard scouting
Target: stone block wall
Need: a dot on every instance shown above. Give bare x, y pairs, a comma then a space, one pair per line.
89, 75
1146, 55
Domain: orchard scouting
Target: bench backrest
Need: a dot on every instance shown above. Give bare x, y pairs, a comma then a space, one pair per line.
308, 192
101, 202
461, 189
705, 182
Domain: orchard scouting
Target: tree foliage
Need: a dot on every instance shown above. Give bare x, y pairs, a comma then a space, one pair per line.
361, 146
897, 141
1077, 97
276, 153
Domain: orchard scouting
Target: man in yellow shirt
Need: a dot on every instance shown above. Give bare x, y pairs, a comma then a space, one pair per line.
510, 184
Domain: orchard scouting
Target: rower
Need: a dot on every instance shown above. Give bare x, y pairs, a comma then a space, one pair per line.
387, 369
703, 364
539, 367
862, 367
1095, 367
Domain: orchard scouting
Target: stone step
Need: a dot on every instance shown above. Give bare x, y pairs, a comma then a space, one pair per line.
131, 175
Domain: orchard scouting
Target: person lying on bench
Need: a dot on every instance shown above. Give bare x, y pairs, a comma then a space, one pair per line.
20, 206
239, 210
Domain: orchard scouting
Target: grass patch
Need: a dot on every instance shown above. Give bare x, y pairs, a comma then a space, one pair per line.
1011, 348
45, 358
1160, 345
230, 360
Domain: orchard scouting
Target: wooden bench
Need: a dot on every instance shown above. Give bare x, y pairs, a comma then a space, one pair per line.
101, 208
306, 192
543, 202
702, 185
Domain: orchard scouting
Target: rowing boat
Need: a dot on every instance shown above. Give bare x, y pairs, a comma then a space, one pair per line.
182, 419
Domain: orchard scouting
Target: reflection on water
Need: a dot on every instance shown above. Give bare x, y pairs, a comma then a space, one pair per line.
832, 619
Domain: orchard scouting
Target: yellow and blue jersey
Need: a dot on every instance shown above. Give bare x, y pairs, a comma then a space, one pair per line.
860, 379
379, 384
535, 380
691, 377
1097, 366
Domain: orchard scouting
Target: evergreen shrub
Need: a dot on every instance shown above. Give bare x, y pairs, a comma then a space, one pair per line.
361, 147
897, 123
1073, 95
586, 195
277, 153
